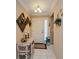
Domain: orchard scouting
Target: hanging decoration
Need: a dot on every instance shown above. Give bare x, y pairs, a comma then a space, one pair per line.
22, 21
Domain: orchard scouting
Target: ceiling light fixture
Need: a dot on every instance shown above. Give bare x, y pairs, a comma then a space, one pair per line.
38, 9
35, 11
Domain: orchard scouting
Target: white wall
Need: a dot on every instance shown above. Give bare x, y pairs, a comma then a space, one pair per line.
19, 10
58, 33
38, 29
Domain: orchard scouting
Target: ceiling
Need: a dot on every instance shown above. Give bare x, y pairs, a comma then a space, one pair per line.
45, 5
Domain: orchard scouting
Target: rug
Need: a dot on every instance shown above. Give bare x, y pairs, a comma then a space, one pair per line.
40, 46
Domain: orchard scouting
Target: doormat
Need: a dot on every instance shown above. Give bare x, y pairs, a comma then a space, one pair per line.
40, 46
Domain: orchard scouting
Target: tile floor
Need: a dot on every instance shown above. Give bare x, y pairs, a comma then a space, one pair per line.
44, 53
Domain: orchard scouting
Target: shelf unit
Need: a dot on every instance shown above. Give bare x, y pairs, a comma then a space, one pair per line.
24, 51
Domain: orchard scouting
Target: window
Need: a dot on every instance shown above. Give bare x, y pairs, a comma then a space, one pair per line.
45, 29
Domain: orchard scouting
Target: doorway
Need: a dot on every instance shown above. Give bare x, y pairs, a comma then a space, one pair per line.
40, 29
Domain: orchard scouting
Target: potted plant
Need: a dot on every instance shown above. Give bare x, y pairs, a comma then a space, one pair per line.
58, 21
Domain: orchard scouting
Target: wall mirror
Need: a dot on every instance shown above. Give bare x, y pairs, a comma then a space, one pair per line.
22, 22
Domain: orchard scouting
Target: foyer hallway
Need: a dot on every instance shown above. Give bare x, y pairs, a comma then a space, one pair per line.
35, 13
